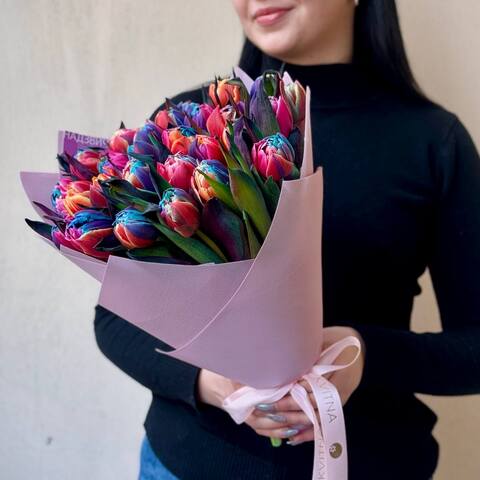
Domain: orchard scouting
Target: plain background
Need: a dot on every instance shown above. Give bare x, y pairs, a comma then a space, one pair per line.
65, 410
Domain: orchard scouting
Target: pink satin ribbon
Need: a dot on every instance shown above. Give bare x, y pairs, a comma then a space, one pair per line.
330, 457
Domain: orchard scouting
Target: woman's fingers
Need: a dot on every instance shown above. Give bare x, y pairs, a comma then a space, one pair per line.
278, 420
304, 436
285, 432
285, 404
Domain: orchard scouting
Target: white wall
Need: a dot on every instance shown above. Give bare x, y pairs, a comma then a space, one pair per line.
65, 411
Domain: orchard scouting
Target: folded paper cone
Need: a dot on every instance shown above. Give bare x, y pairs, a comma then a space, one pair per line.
256, 321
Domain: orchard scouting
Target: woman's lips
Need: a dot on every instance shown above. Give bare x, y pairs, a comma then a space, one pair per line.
269, 16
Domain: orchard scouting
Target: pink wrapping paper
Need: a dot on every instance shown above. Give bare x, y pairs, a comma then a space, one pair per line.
256, 321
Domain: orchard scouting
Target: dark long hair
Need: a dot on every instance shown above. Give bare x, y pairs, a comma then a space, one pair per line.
378, 48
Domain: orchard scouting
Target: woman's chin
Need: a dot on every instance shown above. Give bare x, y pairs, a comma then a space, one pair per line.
276, 46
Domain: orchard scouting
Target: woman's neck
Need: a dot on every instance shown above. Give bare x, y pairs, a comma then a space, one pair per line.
333, 47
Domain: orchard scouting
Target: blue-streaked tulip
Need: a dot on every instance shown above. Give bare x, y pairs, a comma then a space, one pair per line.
133, 229
148, 141
198, 112
213, 169
138, 174
178, 139
85, 231
274, 157
178, 170
179, 211
205, 147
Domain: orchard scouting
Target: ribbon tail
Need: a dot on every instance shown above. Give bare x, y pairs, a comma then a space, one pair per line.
300, 395
334, 448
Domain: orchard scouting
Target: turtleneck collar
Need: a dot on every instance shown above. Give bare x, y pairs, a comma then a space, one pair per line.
333, 85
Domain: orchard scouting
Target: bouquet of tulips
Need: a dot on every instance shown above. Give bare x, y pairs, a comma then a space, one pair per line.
199, 184
220, 200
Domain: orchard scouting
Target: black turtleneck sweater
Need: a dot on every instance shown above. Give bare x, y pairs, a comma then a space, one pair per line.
402, 194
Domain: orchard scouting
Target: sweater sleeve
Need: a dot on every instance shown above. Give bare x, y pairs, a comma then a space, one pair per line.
133, 350
445, 363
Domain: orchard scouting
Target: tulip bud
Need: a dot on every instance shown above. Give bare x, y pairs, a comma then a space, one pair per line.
178, 139
85, 231
161, 119
138, 174
97, 198
274, 157
205, 147
198, 112
200, 185
70, 197
295, 96
133, 229
148, 141
58, 194
179, 211
121, 139
219, 92
283, 115
177, 170
108, 168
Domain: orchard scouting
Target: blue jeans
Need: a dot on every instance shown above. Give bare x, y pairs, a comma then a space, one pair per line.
150, 466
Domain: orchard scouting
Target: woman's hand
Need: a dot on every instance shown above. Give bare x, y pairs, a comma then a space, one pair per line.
213, 388
284, 419
286, 411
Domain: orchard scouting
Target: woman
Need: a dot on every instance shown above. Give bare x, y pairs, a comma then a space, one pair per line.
402, 193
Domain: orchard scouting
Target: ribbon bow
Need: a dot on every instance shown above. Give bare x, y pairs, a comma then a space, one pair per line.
330, 457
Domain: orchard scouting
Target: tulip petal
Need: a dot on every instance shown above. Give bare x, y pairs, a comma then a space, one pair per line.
261, 109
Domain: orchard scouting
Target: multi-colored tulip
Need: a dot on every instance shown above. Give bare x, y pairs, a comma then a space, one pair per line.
198, 113
274, 157
68, 198
133, 229
90, 158
97, 197
162, 119
85, 231
205, 147
121, 139
283, 115
178, 139
148, 141
110, 169
200, 185
178, 170
217, 121
179, 211
58, 194
221, 91
295, 96
138, 174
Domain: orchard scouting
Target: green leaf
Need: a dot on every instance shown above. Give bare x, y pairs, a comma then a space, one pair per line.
43, 229
191, 246
221, 190
253, 243
248, 197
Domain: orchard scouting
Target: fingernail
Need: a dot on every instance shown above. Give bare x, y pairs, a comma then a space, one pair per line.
293, 443
265, 407
276, 417
300, 426
290, 432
